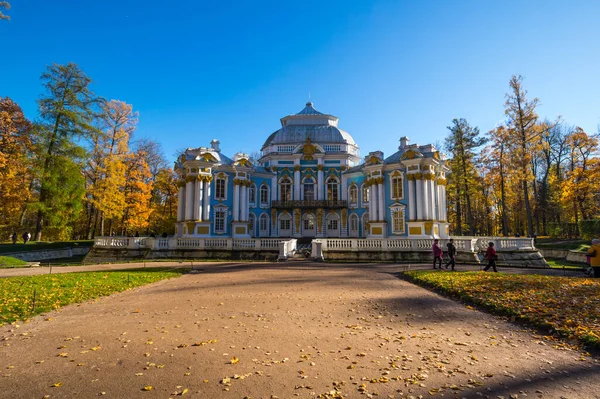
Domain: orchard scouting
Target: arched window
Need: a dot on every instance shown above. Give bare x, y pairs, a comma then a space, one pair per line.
309, 222
252, 195
308, 188
263, 225
365, 195
285, 189
285, 225
333, 225
251, 224
353, 195
354, 225
332, 189
264, 195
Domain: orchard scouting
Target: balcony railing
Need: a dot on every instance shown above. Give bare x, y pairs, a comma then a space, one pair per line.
309, 204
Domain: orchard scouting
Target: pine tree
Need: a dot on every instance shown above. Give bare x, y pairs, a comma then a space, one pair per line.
66, 111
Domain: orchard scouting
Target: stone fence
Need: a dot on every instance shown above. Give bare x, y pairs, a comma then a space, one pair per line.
462, 244
175, 243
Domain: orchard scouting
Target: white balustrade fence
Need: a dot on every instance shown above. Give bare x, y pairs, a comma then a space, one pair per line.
463, 244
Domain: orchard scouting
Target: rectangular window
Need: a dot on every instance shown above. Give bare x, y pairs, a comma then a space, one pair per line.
264, 196
220, 221
398, 220
220, 189
365, 196
332, 224
284, 224
252, 195
397, 188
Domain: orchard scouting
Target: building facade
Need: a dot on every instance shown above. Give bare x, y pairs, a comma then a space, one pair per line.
311, 182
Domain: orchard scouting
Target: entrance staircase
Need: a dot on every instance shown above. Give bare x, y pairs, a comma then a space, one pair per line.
303, 247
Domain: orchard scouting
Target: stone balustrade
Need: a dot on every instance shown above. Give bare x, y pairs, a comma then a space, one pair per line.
173, 243
463, 244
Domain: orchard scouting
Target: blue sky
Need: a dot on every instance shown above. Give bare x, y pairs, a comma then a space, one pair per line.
198, 70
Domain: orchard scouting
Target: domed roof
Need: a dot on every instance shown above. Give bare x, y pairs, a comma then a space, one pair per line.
309, 124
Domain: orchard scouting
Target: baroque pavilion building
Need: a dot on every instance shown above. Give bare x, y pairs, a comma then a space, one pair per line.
311, 182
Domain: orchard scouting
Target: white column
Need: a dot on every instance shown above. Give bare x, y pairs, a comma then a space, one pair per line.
206, 202
236, 202
373, 203
443, 212
200, 188
426, 199
320, 190
243, 203
274, 188
197, 211
380, 204
189, 200
419, 203
411, 199
438, 201
297, 184
181, 204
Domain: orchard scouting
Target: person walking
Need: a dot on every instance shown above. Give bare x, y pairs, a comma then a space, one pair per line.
14, 237
437, 253
26, 237
451, 254
491, 257
594, 254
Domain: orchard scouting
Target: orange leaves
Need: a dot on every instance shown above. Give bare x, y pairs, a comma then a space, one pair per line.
568, 306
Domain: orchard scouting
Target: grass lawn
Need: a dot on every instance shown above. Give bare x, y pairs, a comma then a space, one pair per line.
57, 290
557, 243
569, 307
560, 263
7, 261
34, 246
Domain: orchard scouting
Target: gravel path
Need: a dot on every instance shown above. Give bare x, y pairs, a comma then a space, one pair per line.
285, 331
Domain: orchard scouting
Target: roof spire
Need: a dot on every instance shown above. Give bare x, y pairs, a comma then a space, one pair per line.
309, 103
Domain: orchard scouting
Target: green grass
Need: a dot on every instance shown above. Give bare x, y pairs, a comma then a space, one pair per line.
8, 261
563, 263
34, 246
557, 243
566, 306
54, 291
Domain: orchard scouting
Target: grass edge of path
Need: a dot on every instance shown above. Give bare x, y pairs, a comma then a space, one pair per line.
590, 344
22, 297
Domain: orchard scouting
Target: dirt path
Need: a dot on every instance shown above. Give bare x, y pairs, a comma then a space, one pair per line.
297, 331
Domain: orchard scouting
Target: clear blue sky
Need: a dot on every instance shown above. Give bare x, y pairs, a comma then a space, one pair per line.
198, 70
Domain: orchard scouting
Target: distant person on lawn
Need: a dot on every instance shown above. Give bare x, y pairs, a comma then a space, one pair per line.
491, 257
451, 254
437, 253
26, 236
14, 237
594, 253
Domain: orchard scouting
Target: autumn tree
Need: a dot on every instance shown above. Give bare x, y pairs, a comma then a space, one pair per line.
462, 144
107, 164
522, 119
16, 156
66, 112
138, 193
580, 189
